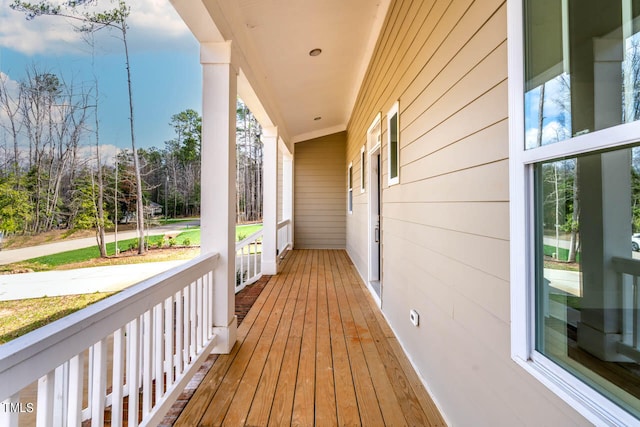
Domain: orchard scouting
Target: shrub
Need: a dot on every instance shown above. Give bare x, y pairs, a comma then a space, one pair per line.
186, 241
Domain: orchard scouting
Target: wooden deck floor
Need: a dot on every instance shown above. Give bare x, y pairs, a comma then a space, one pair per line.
313, 350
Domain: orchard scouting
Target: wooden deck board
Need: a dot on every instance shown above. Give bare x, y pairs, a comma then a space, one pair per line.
347, 405
313, 350
325, 413
263, 399
303, 403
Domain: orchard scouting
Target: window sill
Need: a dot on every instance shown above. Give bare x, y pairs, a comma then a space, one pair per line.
587, 402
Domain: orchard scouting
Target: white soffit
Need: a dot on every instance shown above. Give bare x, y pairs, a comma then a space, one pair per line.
274, 38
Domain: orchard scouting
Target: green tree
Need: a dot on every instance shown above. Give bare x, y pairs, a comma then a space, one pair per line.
84, 204
15, 209
91, 22
182, 162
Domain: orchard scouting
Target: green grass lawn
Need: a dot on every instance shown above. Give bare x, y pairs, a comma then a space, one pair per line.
189, 237
563, 254
175, 220
22, 316
244, 231
568, 300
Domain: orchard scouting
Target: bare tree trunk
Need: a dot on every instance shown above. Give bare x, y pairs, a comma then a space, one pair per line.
136, 161
557, 210
575, 217
100, 222
540, 115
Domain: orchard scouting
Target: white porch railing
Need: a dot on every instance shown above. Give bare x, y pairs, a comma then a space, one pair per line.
629, 281
284, 236
248, 260
144, 343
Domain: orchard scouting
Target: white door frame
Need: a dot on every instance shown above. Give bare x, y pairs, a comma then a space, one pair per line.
374, 243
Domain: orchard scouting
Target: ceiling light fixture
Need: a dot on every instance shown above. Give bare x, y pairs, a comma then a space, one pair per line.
315, 52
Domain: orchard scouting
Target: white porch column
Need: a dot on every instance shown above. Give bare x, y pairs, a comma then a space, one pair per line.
218, 183
270, 200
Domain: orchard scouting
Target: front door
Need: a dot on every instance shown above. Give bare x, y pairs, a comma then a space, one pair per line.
374, 222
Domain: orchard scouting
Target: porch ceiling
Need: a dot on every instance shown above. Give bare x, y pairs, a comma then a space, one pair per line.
273, 39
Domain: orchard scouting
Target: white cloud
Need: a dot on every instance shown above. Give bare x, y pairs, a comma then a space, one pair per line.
551, 132
12, 87
154, 25
108, 154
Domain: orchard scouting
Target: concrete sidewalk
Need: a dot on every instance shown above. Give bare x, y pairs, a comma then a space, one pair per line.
79, 281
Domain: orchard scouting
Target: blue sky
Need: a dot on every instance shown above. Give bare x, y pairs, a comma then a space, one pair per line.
166, 72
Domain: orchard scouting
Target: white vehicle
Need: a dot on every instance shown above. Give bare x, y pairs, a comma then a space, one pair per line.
635, 242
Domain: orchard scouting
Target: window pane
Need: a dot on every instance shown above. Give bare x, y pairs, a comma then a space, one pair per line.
588, 270
582, 67
393, 146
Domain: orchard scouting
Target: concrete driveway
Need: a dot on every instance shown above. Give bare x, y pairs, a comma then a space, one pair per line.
79, 281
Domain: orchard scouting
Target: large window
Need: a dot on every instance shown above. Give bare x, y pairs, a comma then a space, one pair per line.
575, 201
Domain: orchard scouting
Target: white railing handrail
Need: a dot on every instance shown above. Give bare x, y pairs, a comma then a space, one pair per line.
249, 239
626, 265
283, 234
628, 270
33, 355
283, 223
248, 260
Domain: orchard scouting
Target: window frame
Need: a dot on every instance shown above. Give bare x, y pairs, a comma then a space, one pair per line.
395, 110
350, 188
586, 400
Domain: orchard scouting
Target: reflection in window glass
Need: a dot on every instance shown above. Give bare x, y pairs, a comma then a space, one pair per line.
588, 270
548, 112
393, 146
582, 67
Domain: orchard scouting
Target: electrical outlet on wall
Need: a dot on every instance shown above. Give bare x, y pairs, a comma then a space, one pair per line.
414, 317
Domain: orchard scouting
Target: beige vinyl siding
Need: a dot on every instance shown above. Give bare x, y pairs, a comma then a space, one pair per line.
445, 226
320, 187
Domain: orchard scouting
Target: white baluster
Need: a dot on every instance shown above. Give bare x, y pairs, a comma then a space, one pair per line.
133, 368
76, 387
147, 370
169, 331
199, 318
193, 321
186, 311
179, 332
9, 416
118, 375
99, 383
158, 325
44, 413
61, 395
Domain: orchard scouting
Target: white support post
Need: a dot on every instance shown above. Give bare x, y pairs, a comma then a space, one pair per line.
270, 200
218, 179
